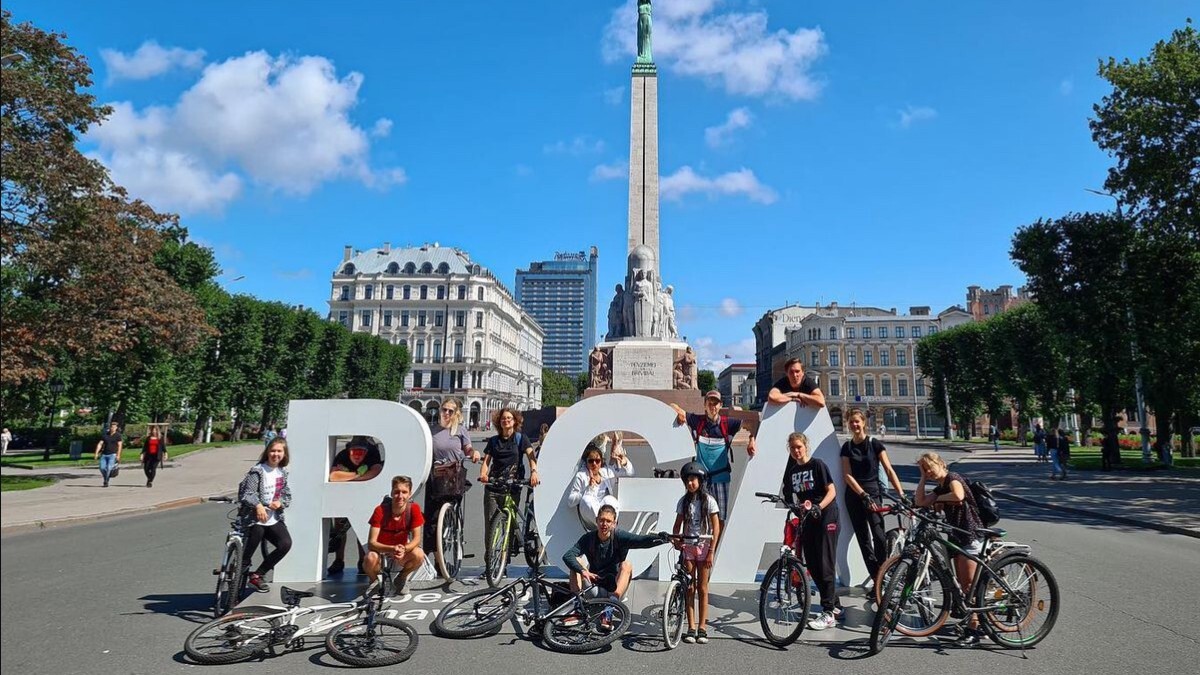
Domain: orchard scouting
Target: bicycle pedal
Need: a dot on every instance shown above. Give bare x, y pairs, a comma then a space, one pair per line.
468, 555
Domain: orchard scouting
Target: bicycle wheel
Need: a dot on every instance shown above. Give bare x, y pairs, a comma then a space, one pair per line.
477, 613
930, 600
895, 597
894, 541
229, 579
1024, 617
496, 553
234, 637
674, 614
447, 553
783, 601
384, 642
595, 623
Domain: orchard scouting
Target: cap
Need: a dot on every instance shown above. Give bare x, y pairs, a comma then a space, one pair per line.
713, 394
359, 442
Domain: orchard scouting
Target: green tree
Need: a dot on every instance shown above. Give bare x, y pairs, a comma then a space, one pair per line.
241, 327
327, 379
557, 389
706, 380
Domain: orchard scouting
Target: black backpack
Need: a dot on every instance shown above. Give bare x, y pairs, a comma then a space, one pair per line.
985, 503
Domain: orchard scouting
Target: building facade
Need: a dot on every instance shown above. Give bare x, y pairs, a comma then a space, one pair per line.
465, 333
868, 362
984, 303
731, 381
561, 295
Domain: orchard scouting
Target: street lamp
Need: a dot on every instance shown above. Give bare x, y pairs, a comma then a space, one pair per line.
56, 388
1144, 431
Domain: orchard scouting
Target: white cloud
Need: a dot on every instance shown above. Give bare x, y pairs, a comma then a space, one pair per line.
580, 145
716, 356
910, 115
610, 171
734, 49
1066, 87
382, 128
730, 308
614, 96
279, 122
149, 60
742, 181
738, 118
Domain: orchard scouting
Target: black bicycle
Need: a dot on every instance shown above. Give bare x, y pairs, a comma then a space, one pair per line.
231, 576
674, 607
1015, 595
784, 596
451, 532
507, 529
577, 625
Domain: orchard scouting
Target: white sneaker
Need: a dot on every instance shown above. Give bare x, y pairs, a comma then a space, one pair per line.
869, 587
822, 621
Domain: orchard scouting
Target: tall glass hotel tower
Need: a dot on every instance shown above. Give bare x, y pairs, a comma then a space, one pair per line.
561, 295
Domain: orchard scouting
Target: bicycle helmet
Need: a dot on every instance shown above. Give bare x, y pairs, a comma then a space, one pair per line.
693, 469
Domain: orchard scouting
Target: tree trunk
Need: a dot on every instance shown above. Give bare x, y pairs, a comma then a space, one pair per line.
1186, 421
198, 430
1085, 428
1110, 447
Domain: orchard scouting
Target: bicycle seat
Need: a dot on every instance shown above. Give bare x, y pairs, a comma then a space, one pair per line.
992, 532
291, 597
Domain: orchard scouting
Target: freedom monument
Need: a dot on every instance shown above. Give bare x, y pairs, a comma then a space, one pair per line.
642, 351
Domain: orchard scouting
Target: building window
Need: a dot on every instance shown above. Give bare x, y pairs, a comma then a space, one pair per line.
365, 318
479, 294
458, 354
885, 387
404, 318
852, 386
814, 359
835, 387
899, 331
869, 387
408, 292
832, 333
389, 292
833, 358
884, 358
902, 387
441, 292
424, 292
902, 357
387, 317
868, 358
460, 318
866, 332
932, 331
420, 356
345, 294
344, 318
435, 379
478, 352
368, 292
437, 319
437, 351
417, 379
849, 333
421, 320
479, 319
852, 358
883, 331
920, 387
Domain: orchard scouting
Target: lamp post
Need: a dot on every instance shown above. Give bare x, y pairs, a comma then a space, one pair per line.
56, 388
1144, 431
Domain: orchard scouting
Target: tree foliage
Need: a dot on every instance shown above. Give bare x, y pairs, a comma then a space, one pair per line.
557, 389
706, 380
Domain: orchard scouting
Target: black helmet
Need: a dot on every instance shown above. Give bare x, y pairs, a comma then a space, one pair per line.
693, 469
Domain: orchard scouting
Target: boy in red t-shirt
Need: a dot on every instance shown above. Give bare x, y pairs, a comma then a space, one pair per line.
396, 532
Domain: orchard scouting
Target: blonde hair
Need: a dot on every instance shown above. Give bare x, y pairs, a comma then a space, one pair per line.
855, 412
932, 459
456, 419
797, 436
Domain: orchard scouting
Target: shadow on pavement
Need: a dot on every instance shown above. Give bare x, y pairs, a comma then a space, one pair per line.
193, 607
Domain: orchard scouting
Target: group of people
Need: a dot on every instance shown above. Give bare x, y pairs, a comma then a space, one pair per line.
1053, 447
112, 442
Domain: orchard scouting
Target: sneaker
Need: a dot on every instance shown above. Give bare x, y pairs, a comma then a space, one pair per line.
967, 638
838, 613
702, 637
690, 637
822, 621
606, 621
336, 568
149, 483
257, 583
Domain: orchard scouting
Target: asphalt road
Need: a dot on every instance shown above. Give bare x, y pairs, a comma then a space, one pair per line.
120, 596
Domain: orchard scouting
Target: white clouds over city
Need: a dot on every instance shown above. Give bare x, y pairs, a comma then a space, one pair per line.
722, 134
149, 60
611, 171
730, 308
742, 182
715, 356
911, 115
736, 50
279, 122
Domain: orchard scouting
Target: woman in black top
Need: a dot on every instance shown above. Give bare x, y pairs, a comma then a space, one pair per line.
806, 478
502, 459
861, 458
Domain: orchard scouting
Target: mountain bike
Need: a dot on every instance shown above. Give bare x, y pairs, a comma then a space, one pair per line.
505, 530
231, 576
784, 596
1015, 594
674, 607
358, 635
578, 625
450, 534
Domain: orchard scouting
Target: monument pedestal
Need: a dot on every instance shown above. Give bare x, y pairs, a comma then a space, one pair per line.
647, 367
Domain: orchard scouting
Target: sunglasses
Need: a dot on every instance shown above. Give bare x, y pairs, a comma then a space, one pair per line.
448, 411
595, 460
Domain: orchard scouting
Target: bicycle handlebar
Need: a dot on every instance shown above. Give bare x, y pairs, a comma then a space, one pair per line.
501, 483
798, 509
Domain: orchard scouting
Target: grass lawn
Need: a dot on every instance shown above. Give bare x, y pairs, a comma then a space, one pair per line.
128, 455
8, 483
1131, 460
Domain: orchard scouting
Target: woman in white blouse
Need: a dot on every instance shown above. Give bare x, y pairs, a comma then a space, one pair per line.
595, 484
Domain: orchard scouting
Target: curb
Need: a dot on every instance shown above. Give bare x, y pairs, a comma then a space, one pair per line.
40, 525
1162, 527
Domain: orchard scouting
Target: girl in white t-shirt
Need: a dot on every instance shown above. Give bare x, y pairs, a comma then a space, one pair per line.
264, 495
697, 513
596, 484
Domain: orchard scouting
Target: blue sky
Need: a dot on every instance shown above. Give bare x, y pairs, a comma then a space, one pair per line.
876, 153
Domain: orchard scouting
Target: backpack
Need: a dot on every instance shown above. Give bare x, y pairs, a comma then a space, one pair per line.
985, 503
723, 420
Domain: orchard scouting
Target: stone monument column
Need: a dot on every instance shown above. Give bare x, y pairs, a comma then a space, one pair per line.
643, 142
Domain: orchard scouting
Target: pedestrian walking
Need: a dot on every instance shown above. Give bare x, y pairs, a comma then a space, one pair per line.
154, 454
1057, 440
5, 439
994, 437
1039, 443
108, 452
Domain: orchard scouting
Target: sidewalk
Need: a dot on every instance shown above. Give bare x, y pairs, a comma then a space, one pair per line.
79, 496
1159, 500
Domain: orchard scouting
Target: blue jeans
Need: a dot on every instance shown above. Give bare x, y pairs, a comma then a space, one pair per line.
107, 462
1056, 467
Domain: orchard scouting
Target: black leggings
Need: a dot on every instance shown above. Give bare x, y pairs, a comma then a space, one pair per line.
820, 551
150, 467
279, 537
869, 530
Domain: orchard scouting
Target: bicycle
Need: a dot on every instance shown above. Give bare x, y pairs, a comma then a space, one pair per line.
930, 611
1010, 591
501, 534
578, 625
451, 534
784, 596
674, 607
358, 634
231, 575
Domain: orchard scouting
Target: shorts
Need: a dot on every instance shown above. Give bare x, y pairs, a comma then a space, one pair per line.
720, 492
974, 547
607, 581
697, 552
